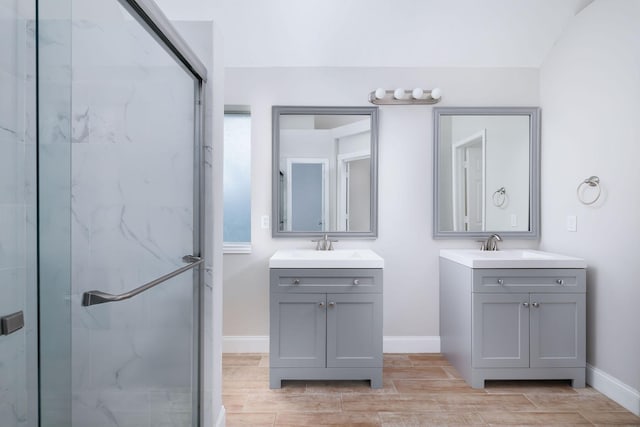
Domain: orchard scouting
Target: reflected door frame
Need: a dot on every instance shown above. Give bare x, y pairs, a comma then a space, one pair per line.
324, 162
460, 179
343, 186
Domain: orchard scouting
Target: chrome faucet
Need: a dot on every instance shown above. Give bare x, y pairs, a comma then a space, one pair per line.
324, 243
491, 244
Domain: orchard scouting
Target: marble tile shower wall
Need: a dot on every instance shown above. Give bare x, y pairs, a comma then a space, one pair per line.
17, 208
132, 221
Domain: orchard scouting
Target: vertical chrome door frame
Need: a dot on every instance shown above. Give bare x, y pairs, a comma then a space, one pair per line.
156, 23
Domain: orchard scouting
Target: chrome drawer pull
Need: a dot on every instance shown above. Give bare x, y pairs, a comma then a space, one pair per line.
356, 281
535, 304
321, 304
296, 281
525, 304
500, 282
560, 282
332, 304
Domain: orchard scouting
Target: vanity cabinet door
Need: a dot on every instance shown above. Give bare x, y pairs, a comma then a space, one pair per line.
298, 330
500, 330
354, 325
558, 332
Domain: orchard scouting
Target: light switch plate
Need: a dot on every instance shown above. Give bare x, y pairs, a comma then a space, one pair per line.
572, 223
264, 221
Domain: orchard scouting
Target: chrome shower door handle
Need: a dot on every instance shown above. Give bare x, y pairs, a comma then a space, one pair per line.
11, 323
99, 297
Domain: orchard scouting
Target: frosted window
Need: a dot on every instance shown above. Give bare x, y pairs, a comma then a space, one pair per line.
237, 178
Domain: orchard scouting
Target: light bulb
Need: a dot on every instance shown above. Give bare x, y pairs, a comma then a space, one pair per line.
398, 93
436, 93
380, 93
417, 93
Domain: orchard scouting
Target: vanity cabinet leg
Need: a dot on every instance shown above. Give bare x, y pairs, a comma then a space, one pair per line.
275, 381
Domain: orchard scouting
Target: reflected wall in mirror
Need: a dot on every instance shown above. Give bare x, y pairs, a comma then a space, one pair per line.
486, 171
325, 171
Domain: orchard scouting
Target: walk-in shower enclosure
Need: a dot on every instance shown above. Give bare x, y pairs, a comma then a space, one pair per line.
102, 169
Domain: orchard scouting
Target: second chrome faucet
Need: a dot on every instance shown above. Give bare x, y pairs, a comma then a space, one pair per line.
491, 244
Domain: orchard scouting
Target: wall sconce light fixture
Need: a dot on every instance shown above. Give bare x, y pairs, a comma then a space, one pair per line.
401, 96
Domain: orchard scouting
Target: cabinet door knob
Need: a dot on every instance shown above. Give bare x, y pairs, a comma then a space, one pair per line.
525, 304
356, 281
321, 304
535, 304
560, 282
332, 304
500, 282
296, 281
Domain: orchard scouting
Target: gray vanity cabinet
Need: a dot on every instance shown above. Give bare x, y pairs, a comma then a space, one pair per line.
325, 324
513, 323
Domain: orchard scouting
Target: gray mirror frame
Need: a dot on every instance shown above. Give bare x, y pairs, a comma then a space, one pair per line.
276, 112
534, 168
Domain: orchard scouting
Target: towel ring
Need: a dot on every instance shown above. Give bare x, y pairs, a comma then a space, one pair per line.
499, 197
592, 181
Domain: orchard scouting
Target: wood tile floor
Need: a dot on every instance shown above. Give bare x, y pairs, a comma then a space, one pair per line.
419, 390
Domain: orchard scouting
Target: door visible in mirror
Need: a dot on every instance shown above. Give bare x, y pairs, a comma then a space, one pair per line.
325, 164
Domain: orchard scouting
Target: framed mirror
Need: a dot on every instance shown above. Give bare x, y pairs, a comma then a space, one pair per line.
325, 171
486, 172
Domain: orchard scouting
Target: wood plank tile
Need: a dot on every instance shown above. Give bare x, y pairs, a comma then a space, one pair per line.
428, 373
574, 402
234, 402
393, 419
360, 419
434, 386
241, 359
419, 390
293, 402
256, 419
533, 418
350, 387
252, 373
611, 417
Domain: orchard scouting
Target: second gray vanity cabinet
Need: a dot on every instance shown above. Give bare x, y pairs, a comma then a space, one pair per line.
513, 323
325, 324
521, 330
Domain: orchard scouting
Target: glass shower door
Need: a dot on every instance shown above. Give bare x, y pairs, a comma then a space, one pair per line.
134, 226
135, 218
18, 305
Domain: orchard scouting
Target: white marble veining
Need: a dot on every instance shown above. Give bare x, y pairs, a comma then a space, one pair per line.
132, 221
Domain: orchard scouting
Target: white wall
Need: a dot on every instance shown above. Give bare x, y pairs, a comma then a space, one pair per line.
590, 98
405, 182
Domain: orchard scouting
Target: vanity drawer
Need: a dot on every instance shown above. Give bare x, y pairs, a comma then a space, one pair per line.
529, 280
302, 280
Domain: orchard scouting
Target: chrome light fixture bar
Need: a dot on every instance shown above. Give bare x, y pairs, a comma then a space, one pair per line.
401, 96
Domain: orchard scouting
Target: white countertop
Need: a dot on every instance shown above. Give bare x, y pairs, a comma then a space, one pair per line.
511, 258
338, 258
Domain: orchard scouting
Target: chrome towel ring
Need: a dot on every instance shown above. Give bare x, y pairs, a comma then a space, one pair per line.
592, 181
499, 197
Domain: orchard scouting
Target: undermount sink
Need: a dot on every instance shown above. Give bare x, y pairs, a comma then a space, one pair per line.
511, 258
339, 258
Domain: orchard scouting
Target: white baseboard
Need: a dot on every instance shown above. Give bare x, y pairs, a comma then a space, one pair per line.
245, 344
390, 344
411, 344
614, 389
222, 417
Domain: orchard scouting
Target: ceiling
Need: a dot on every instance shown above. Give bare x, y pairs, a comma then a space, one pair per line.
383, 33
